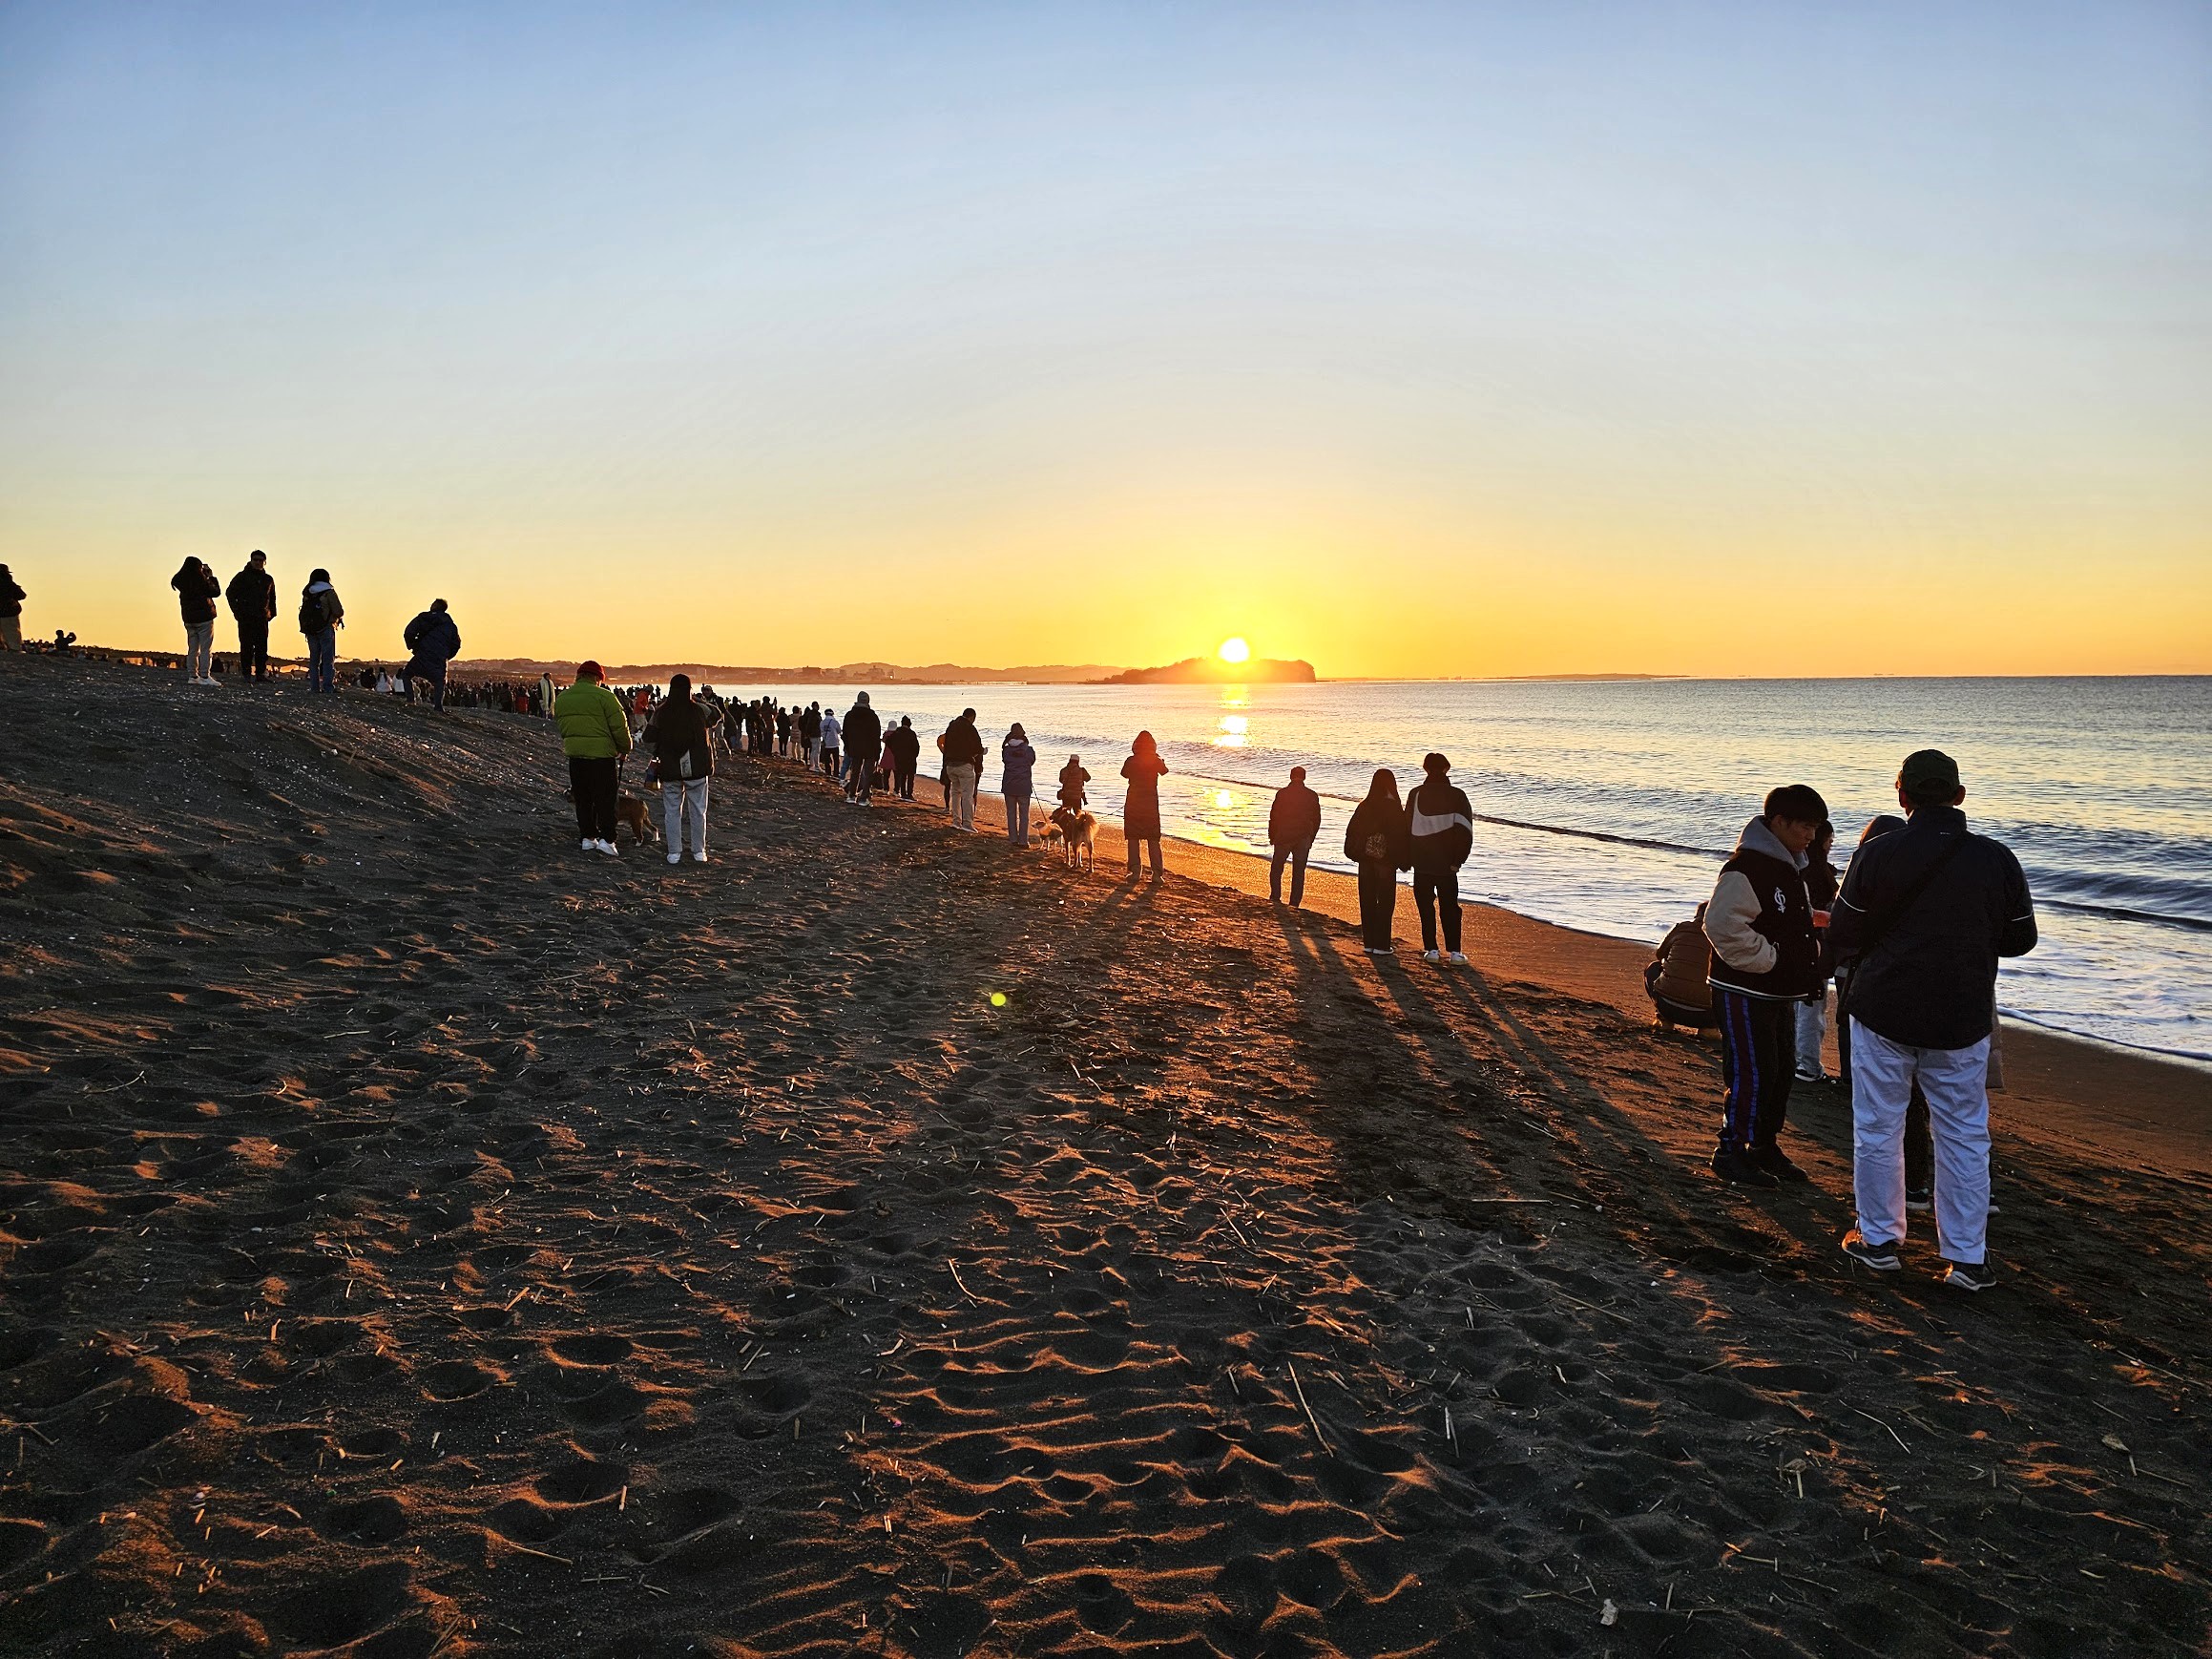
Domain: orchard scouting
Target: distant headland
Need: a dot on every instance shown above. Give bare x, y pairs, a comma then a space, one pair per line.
1213, 671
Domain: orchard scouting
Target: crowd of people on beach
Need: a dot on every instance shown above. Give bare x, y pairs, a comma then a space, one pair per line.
1910, 933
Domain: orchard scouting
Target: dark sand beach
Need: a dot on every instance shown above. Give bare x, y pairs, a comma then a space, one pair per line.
418, 1238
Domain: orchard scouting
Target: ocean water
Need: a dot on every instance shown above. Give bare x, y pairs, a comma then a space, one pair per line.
1607, 806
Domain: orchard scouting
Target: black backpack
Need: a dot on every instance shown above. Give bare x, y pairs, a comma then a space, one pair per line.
312, 619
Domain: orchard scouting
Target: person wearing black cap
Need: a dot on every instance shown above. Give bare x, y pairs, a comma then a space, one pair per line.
1293, 823
1766, 961
432, 640
252, 596
1926, 914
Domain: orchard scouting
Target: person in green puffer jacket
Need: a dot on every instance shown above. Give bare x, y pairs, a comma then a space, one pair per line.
596, 734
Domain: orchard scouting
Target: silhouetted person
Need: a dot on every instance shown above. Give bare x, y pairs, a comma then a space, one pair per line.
1375, 842
903, 743
196, 594
432, 640
963, 768
1439, 834
864, 743
320, 617
1293, 821
1765, 959
1140, 806
11, 598
252, 596
595, 735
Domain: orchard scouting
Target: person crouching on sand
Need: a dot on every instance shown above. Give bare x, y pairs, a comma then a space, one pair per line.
681, 731
1018, 762
1375, 841
595, 736
1766, 961
1140, 806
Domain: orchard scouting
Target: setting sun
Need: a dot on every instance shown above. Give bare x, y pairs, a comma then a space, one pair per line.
1236, 650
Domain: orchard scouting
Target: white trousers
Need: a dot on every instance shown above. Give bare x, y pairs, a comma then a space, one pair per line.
1812, 1025
684, 802
963, 779
1955, 1082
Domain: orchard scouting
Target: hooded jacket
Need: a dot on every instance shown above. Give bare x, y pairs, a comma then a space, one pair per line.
1679, 967
1760, 922
905, 745
1293, 817
963, 744
681, 731
863, 730
593, 725
832, 728
1930, 979
252, 595
434, 638
1372, 818
1439, 826
320, 608
1020, 759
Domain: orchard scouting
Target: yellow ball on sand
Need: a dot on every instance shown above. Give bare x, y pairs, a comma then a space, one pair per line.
998, 999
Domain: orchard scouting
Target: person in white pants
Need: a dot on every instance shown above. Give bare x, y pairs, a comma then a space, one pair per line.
1925, 915
1954, 1082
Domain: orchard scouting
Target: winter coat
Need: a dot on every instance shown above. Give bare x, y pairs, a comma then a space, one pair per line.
252, 596
681, 732
1294, 817
434, 638
864, 731
1683, 960
832, 730
196, 594
1140, 806
593, 725
1930, 979
963, 746
320, 608
1439, 826
1071, 782
1372, 818
1760, 922
1020, 761
904, 744
11, 598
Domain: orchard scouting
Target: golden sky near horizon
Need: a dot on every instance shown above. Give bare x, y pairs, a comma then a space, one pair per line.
1421, 343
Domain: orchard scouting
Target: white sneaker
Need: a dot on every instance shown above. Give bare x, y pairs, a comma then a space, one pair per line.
698, 858
590, 846
610, 849
676, 858
1457, 958
1430, 956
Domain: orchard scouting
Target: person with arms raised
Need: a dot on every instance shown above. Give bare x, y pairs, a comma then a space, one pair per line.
1926, 914
252, 596
595, 735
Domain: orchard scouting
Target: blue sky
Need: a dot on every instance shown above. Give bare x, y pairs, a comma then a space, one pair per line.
1164, 319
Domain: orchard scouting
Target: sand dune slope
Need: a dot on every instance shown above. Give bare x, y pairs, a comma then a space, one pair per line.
417, 1238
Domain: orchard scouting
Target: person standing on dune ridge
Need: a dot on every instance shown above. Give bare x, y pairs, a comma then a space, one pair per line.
320, 617
432, 640
11, 598
1765, 960
197, 589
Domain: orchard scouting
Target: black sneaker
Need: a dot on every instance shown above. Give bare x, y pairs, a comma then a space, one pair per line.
1738, 1169
1919, 1200
1776, 1163
1881, 1257
1970, 1275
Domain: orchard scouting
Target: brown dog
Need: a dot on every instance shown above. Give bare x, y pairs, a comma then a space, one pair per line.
638, 816
1079, 832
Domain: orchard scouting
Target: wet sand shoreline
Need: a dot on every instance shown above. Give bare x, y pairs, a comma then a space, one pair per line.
420, 1238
